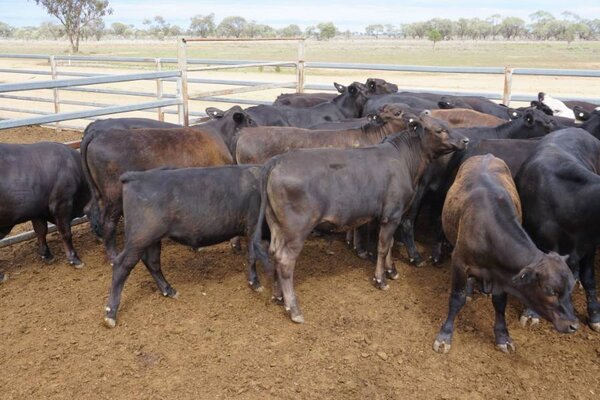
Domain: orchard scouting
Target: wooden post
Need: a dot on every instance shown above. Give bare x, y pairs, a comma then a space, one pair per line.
300, 67
159, 89
55, 91
508, 73
182, 84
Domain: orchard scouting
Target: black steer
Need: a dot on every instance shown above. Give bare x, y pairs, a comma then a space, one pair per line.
193, 206
42, 182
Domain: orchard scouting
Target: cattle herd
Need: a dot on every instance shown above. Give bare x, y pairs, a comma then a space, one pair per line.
514, 192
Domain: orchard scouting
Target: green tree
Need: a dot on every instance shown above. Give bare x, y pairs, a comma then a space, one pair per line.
327, 30
232, 27
75, 15
435, 36
203, 25
119, 29
6, 30
374, 30
512, 27
292, 30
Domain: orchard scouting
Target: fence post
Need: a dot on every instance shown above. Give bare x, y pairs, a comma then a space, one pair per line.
55, 91
300, 67
508, 73
182, 83
159, 89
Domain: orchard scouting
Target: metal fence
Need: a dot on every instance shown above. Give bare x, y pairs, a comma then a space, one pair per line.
179, 67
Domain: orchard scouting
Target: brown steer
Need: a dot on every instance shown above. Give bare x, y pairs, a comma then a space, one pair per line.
464, 118
482, 219
257, 145
108, 155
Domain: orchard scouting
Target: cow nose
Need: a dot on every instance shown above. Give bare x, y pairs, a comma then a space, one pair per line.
465, 140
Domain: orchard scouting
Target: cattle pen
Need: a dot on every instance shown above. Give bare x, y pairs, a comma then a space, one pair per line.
220, 340
178, 102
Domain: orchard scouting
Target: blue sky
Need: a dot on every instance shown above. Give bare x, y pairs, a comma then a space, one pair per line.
346, 14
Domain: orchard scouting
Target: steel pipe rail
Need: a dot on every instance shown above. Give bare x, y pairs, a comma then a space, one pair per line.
22, 237
94, 80
13, 123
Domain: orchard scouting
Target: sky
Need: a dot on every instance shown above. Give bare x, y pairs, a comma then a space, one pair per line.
345, 14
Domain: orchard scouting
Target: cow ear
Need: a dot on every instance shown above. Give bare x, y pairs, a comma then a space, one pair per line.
444, 104
371, 83
414, 124
214, 113
514, 114
526, 276
565, 258
529, 118
426, 112
340, 88
372, 117
541, 97
352, 90
238, 117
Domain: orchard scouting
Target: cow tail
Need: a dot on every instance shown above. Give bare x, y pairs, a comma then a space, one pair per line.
259, 249
93, 208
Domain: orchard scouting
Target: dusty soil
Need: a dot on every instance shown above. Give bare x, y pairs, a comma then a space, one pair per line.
33, 134
220, 340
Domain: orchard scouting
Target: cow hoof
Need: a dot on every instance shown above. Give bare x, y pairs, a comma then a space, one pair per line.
436, 260
392, 274
299, 319
76, 264
363, 254
417, 261
441, 347
110, 322
381, 285
172, 293
525, 319
48, 260
256, 286
506, 348
469, 299
277, 300
3, 277
595, 326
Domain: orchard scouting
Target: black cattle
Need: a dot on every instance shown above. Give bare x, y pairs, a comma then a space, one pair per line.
342, 189
416, 101
514, 152
582, 105
481, 219
104, 125
438, 176
305, 100
194, 206
348, 104
559, 187
477, 103
42, 182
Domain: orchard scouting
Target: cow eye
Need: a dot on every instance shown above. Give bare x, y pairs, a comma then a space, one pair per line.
550, 291
398, 114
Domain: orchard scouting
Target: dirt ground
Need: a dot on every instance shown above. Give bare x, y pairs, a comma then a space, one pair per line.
220, 340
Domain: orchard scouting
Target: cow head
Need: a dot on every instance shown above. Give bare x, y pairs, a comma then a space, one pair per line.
352, 100
380, 86
546, 287
558, 108
581, 114
542, 107
533, 123
395, 116
436, 138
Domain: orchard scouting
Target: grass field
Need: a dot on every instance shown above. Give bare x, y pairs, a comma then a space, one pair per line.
584, 55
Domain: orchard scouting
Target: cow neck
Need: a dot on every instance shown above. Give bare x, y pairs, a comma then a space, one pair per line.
517, 249
592, 126
343, 102
377, 132
409, 147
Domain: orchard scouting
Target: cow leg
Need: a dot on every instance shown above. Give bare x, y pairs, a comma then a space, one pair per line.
504, 342
407, 229
436, 213
63, 223
588, 280
384, 246
529, 316
286, 261
151, 259
276, 294
236, 244
443, 341
360, 244
109, 231
390, 269
253, 280
40, 227
122, 267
